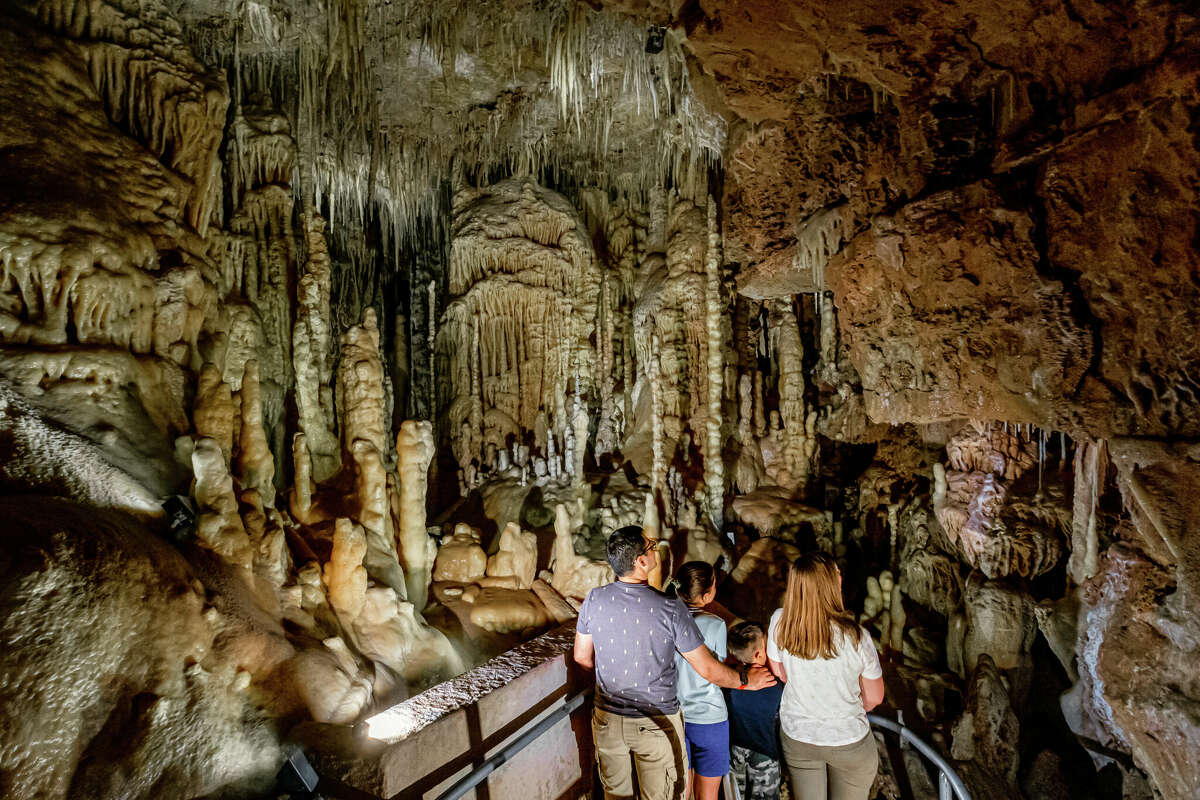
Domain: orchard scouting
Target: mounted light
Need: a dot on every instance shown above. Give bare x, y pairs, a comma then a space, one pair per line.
181, 517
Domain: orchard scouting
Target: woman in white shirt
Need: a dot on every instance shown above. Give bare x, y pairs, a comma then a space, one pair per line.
833, 679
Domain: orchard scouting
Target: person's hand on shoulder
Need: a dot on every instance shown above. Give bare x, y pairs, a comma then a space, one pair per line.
759, 677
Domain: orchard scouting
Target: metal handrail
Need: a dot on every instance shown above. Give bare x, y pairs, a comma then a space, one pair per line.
494, 762
948, 779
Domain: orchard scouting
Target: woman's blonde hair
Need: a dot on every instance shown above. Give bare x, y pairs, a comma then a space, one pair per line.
812, 609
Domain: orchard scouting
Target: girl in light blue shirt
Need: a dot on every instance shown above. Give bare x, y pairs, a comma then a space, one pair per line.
705, 718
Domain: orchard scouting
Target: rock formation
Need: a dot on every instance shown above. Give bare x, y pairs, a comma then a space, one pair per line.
289, 290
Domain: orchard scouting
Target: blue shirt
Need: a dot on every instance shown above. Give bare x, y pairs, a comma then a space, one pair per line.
636, 631
754, 719
701, 701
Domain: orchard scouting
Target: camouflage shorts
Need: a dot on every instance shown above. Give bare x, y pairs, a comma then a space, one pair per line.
757, 776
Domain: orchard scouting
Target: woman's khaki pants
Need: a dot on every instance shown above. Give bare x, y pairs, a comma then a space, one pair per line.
844, 772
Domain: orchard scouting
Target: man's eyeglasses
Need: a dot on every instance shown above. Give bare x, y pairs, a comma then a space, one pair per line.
652, 545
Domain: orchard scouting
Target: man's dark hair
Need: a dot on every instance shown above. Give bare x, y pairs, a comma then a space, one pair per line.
624, 546
743, 639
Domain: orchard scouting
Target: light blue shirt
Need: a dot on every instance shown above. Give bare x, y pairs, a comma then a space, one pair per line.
702, 702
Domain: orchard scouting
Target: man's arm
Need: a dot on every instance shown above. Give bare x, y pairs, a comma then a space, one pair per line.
585, 651
872, 691
714, 671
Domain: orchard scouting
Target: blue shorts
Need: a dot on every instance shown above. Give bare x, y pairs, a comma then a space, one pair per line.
708, 748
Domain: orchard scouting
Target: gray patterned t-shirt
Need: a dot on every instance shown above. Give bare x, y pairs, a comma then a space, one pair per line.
636, 631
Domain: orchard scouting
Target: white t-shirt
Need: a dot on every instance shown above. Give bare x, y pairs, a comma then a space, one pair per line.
822, 701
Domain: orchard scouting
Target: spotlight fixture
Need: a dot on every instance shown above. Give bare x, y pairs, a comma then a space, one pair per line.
655, 39
181, 516
297, 776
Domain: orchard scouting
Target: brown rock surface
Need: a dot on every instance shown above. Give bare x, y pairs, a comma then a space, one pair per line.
945, 313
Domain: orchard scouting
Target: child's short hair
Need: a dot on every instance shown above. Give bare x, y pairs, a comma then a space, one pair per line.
743, 639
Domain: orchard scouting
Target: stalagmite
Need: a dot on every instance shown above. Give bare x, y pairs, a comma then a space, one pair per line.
607, 433
361, 398
798, 443
579, 426
460, 558
516, 556
374, 514
256, 464
312, 340
334, 688
218, 525
301, 497
391, 632
415, 451
559, 609
344, 575
574, 575
658, 474
714, 466
213, 412
1091, 464
1000, 622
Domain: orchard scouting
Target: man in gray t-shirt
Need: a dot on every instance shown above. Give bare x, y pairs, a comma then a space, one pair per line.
629, 632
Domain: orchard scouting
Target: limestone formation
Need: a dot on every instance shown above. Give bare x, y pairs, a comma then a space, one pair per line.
972, 503
414, 451
1000, 622
218, 524
256, 463
213, 413
501, 610
574, 575
516, 556
188, 734
312, 349
345, 576
460, 558
360, 396
524, 282
761, 575
392, 633
987, 731
914, 289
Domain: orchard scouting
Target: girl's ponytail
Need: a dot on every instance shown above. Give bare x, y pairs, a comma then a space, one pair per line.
692, 580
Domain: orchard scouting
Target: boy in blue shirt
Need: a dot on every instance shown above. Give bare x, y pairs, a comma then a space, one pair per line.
754, 720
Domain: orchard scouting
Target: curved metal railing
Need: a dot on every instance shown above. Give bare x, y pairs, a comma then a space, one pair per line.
949, 783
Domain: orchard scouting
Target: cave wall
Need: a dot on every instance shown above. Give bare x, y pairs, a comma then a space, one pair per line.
1002, 203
